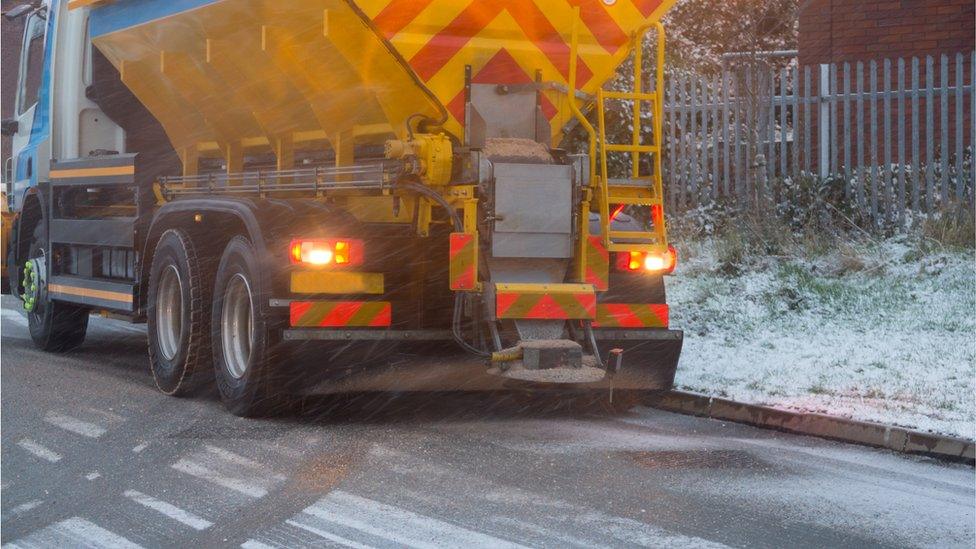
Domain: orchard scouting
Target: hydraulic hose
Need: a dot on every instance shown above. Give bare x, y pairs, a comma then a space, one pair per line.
436, 122
436, 197
458, 227
456, 329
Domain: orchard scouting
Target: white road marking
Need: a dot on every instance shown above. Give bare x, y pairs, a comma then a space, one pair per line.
170, 510
93, 475
398, 525
39, 451
75, 425
107, 414
551, 535
140, 447
74, 532
24, 507
628, 531
328, 535
238, 485
237, 459
227, 455
282, 449
255, 544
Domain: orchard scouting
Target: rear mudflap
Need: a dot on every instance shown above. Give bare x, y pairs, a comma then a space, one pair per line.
650, 357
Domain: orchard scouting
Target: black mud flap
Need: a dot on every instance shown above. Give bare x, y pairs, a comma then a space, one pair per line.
650, 357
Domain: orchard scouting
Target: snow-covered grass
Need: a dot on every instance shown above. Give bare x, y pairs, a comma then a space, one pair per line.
874, 330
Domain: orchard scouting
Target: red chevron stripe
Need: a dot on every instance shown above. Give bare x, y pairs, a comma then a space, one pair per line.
398, 14
504, 302
539, 29
588, 301
663, 312
446, 43
593, 278
623, 314
451, 39
341, 314
465, 280
546, 308
647, 7
384, 318
458, 241
607, 32
297, 311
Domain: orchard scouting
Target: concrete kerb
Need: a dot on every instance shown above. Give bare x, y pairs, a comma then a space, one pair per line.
820, 425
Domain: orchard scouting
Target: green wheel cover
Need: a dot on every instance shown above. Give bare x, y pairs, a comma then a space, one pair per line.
30, 287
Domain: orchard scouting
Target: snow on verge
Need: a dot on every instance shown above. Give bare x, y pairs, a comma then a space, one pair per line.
892, 341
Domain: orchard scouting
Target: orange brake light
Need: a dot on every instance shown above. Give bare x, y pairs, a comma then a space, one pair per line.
648, 262
326, 252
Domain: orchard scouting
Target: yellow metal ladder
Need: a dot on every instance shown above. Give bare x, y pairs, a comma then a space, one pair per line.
635, 189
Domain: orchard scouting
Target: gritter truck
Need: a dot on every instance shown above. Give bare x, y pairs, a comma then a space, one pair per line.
304, 196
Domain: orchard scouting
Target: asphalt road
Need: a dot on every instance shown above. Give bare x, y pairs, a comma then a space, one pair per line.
92, 455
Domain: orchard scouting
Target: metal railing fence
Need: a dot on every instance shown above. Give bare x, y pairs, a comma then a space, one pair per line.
896, 134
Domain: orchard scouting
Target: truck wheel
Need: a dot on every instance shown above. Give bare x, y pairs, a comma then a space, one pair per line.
242, 340
178, 315
54, 326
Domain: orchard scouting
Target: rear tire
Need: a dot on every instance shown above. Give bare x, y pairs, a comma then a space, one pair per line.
178, 315
241, 334
54, 326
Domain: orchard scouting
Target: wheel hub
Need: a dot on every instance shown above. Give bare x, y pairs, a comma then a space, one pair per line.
237, 326
33, 284
169, 312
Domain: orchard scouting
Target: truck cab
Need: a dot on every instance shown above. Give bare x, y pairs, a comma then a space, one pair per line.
54, 116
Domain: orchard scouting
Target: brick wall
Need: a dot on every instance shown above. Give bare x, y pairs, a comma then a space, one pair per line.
842, 31
835, 31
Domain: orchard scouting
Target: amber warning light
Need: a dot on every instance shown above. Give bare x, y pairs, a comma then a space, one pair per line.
326, 252
648, 262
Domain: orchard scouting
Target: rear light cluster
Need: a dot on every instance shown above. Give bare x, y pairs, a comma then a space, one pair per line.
648, 262
333, 252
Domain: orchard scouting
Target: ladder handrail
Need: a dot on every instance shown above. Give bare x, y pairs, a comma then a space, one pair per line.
600, 183
571, 95
659, 110
635, 147
581, 117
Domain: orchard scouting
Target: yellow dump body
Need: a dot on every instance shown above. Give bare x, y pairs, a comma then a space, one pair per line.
236, 73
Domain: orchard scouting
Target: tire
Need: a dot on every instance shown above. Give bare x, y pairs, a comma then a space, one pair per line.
178, 315
54, 326
243, 341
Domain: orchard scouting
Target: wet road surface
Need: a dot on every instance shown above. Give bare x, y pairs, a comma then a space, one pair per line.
93, 455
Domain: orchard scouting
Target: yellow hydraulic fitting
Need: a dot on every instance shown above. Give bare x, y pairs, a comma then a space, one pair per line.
429, 156
507, 355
